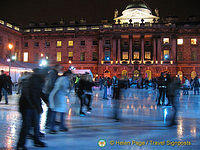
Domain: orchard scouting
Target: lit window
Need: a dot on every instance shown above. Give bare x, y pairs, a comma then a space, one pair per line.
180, 41
16, 28
1, 22
107, 55
165, 40
70, 54
70, 43
27, 30
59, 56
59, 43
136, 55
125, 55
147, 55
193, 41
70, 29
59, 29
95, 27
36, 30
47, 29
9, 25
25, 56
166, 55
83, 28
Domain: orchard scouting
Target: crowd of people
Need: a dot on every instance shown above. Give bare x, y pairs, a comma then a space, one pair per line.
51, 88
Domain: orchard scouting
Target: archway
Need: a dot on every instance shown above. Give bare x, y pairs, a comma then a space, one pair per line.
148, 74
107, 73
180, 74
124, 74
193, 74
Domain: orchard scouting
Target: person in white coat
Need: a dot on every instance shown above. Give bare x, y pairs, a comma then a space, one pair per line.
58, 101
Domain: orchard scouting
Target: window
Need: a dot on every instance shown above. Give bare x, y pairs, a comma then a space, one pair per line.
70, 54
9, 25
59, 43
125, 55
147, 42
36, 57
136, 55
82, 43
147, 55
126, 43
179, 56
107, 41
180, 41
94, 56
70, 43
166, 54
94, 43
59, 56
26, 44
136, 42
82, 56
36, 44
25, 56
1, 22
193, 41
47, 44
107, 55
165, 40
193, 56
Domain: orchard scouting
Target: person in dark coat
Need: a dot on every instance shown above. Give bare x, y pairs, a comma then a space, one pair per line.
30, 107
196, 85
49, 85
162, 86
173, 95
4, 88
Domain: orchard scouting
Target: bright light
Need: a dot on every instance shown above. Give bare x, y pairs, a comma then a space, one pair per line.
10, 46
42, 54
179, 41
72, 68
8, 60
47, 57
166, 57
43, 63
13, 58
70, 61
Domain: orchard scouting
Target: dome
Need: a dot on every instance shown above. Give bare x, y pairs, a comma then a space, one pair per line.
137, 4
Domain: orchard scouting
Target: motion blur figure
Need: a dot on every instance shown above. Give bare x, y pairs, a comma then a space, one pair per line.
116, 99
173, 95
30, 107
4, 86
58, 101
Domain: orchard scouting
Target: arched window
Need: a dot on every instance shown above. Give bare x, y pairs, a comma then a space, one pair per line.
180, 74
148, 74
193, 74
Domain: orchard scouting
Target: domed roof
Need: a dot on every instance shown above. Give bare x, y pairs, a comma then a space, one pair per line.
138, 4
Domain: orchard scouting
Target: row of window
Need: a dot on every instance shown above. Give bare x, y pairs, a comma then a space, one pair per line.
59, 56
193, 41
59, 43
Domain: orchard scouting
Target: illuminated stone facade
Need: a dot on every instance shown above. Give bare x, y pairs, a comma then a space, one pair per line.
110, 49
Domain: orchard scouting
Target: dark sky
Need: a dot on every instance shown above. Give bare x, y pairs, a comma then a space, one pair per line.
25, 11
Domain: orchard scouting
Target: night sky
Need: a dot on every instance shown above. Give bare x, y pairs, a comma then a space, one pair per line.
24, 11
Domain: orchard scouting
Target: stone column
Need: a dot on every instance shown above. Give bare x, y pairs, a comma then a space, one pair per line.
101, 52
130, 48
119, 51
142, 49
159, 50
173, 54
114, 50
154, 50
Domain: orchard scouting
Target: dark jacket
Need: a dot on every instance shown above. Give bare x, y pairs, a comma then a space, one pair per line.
50, 81
4, 82
32, 93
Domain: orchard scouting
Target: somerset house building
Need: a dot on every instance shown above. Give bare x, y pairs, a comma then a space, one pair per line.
138, 41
